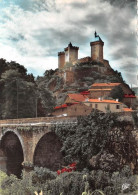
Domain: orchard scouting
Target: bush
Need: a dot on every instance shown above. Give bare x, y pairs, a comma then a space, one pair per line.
73, 183
12, 185
41, 175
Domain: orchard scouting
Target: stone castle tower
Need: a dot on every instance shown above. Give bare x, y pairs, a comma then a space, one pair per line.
97, 48
70, 53
61, 59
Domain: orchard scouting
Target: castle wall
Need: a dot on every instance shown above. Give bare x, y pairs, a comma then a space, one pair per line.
82, 60
69, 76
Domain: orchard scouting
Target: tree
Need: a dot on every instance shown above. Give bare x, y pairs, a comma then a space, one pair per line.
3, 66
15, 66
46, 98
98, 134
117, 93
18, 96
87, 138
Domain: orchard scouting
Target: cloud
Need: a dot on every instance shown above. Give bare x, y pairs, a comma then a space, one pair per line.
35, 30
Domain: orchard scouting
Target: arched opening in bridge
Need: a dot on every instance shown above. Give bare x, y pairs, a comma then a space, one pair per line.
11, 147
47, 153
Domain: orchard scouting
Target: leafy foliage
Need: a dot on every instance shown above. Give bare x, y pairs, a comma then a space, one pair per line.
46, 98
101, 135
49, 73
21, 96
117, 93
18, 96
71, 183
87, 138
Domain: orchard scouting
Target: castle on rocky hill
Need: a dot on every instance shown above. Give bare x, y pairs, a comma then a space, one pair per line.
70, 54
68, 59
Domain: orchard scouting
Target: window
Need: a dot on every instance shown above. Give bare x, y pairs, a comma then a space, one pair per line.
96, 106
117, 106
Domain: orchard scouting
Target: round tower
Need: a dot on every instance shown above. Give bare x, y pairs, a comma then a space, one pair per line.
97, 48
61, 60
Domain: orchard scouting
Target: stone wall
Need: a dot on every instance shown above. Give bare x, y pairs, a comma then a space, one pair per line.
100, 93
74, 110
36, 121
69, 76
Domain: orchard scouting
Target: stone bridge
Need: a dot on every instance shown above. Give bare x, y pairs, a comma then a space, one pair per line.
25, 143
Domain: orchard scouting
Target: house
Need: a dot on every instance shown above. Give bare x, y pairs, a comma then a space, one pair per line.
105, 105
72, 109
102, 89
129, 99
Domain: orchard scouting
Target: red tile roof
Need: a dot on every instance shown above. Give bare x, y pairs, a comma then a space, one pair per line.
61, 106
85, 93
105, 84
129, 96
77, 97
104, 101
65, 105
127, 110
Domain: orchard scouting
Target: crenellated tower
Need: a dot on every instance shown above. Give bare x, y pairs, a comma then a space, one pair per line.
71, 53
97, 48
61, 60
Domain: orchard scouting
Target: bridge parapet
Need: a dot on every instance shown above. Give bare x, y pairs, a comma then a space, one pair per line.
42, 121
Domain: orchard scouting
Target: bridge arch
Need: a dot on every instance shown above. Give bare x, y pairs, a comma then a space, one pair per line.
18, 135
12, 148
47, 152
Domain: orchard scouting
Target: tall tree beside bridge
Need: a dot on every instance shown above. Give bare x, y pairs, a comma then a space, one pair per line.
18, 96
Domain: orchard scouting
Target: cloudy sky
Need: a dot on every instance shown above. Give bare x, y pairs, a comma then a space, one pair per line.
32, 32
